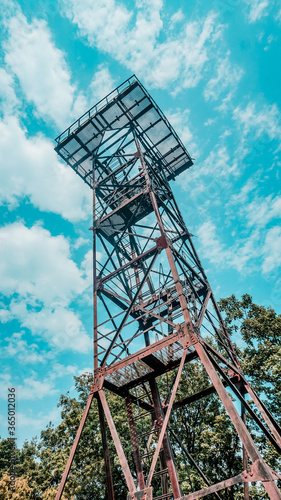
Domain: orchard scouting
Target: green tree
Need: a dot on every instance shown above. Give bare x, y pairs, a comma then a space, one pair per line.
257, 331
21, 490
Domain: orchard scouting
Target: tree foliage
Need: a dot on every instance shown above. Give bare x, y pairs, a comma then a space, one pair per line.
21, 491
259, 329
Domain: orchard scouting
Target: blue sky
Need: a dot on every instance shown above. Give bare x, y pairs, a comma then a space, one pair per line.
214, 69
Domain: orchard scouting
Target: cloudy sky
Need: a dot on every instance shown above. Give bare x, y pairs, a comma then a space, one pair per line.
214, 69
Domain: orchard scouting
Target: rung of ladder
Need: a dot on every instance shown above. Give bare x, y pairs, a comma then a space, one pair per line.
145, 434
163, 497
143, 415
160, 472
149, 454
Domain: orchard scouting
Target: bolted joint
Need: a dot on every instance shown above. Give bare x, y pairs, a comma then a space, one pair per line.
180, 327
95, 225
261, 472
162, 242
99, 284
186, 335
194, 338
98, 380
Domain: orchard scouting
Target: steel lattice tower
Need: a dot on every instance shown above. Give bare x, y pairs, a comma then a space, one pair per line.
154, 309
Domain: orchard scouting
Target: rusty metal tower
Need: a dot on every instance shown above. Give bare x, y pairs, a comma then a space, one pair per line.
154, 309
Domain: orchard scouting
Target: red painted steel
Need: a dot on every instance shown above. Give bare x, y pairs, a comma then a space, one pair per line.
109, 480
117, 442
74, 446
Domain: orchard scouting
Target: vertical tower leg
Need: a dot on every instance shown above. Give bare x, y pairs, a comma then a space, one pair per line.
95, 296
74, 446
109, 482
245, 456
118, 445
166, 442
164, 477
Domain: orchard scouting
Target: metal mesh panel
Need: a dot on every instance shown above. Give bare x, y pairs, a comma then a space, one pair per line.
129, 373
130, 107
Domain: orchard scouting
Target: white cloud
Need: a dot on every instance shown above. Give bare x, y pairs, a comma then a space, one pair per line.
177, 17
80, 242
29, 167
278, 16
108, 25
271, 250
227, 78
225, 256
37, 271
87, 267
180, 120
18, 348
5, 314
216, 252
29, 388
33, 388
8, 98
25, 353
225, 103
257, 250
35, 264
271, 38
85, 370
184, 57
209, 122
262, 210
101, 84
5, 383
210, 176
134, 41
37, 422
59, 326
262, 119
59, 370
42, 71
257, 9
241, 198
